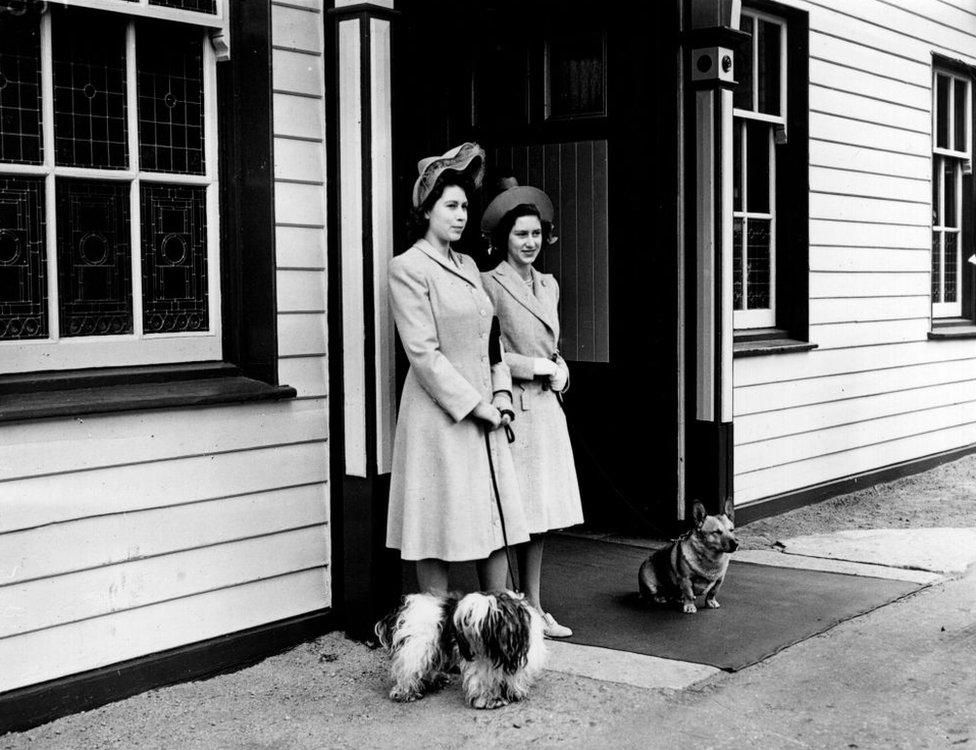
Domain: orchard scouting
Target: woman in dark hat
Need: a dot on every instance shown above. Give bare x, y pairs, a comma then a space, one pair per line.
442, 502
519, 221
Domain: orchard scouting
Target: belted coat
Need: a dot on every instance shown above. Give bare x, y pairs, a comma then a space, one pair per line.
542, 451
442, 502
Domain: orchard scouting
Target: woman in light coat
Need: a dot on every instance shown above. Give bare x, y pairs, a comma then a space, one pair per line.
442, 502
520, 223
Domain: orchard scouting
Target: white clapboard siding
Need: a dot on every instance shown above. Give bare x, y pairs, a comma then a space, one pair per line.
868, 159
296, 29
832, 285
849, 181
139, 583
818, 364
299, 203
783, 395
300, 247
882, 63
783, 478
301, 335
876, 391
794, 448
870, 210
299, 290
27, 449
874, 86
114, 538
864, 259
860, 234
299, 116
847, 335
870, 108
308, 375
299, 160
869, 309
66, 649
765, 426
158, 484
297, 72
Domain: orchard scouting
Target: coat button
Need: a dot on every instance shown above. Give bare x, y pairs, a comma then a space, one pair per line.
483, 313
484, 359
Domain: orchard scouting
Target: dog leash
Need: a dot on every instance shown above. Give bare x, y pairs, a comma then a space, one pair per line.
498, 504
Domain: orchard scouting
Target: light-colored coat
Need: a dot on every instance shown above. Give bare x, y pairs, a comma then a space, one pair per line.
442, 503
542, 451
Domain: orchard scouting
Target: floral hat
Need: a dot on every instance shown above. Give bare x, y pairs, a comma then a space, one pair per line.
515, 195
468, 157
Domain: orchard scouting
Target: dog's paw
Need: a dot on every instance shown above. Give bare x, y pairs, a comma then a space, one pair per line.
690, 608
712, 603
405, 695
488, 702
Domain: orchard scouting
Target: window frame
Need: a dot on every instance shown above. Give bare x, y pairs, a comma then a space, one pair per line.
791, 195
249, 367
143, 9
138, 348
746, 318
962, 166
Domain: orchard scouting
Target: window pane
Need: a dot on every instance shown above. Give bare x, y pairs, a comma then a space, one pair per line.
951, 267
737, 295
89, 90
201, 6
936, 181
23, 278
757, 266
742, 96
949, 218
769, 72
576, 75
936, 266
94, 262
942, 112
170, 88
20, 91
174, 258
757, 164
737, 166
959, 114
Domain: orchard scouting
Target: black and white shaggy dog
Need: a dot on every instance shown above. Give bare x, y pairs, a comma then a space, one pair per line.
496, 640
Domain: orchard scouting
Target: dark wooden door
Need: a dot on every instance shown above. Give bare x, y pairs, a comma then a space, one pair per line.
584, 106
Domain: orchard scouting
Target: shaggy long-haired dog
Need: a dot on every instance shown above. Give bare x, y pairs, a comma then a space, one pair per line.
495, 639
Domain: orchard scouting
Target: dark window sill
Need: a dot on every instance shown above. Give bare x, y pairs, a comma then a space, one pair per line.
952, 328
76, 393
762, 341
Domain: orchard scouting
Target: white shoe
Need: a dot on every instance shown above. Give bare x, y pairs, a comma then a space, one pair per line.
553, 629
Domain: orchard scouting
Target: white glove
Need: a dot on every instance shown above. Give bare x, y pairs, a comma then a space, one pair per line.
558, 381
545, 367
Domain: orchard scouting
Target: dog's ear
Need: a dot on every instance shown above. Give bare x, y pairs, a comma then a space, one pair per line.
698, 513
730, 510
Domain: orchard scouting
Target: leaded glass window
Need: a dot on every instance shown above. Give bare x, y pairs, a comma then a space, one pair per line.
108, 190
759, 109
951, 155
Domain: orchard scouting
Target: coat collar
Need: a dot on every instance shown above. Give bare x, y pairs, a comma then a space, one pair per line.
510, 280
461, 269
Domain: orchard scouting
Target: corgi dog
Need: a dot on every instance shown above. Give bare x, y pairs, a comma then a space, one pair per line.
693, 564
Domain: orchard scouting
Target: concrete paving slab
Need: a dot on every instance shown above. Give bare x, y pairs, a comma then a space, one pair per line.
779, 559
623, 667
940, 550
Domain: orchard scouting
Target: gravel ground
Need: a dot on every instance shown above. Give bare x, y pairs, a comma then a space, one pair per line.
332, 692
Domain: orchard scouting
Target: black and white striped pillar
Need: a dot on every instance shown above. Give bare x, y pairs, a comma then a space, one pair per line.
710, 80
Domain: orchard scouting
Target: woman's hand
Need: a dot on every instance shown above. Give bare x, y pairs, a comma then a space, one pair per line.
557, 382
503, 402
487, 413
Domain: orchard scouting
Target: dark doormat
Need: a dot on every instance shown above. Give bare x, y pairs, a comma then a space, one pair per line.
591, 586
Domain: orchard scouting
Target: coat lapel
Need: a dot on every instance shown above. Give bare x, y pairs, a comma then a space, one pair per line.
461, 270
513, 284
